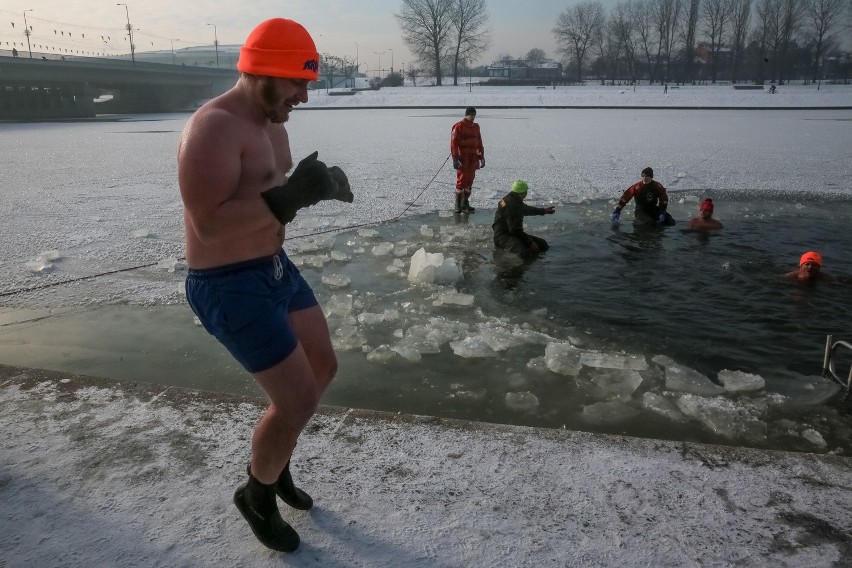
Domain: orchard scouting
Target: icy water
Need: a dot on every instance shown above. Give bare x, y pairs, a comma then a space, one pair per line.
637, 310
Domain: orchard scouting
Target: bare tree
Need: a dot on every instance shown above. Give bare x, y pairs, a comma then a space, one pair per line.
688, 33
575, 29
426, 27
791, 21
823, 18
646, 34
334, 66
768, 14
740, 22
623, 30
535, 56
715, 17
470, 33
665, 15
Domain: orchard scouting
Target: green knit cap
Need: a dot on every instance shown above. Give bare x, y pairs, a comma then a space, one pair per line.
520, 186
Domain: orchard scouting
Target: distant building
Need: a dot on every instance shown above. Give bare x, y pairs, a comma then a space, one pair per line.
517, 69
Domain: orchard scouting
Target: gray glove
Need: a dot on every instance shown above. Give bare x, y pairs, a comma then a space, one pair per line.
311, 182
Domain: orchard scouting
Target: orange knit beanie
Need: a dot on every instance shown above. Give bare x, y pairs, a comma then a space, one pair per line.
280, 48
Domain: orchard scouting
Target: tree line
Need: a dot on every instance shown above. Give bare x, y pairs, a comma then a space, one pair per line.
661, 41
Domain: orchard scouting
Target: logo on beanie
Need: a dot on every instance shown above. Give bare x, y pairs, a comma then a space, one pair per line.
311, 64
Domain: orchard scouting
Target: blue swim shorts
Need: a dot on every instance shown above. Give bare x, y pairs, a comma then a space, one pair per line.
246, 305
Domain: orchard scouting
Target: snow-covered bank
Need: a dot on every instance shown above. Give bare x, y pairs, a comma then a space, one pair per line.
590, 96
96, 473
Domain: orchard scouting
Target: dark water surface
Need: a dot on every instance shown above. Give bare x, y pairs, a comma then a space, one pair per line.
710, 302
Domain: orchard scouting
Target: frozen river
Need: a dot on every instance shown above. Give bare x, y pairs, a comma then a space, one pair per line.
545, 347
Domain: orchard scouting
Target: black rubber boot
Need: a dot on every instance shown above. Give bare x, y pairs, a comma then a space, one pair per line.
256, 502
458, 203
291, 494
466, 205
287, 490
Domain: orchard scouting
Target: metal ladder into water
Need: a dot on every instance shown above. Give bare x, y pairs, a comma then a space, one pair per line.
828, 371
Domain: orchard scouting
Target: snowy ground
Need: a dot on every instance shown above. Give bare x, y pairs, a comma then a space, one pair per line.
97, 474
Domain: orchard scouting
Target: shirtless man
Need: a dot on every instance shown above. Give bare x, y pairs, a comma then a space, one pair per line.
705, 220
232, 161
810, 269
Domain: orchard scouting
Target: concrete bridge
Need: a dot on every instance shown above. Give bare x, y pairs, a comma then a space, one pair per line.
38, 88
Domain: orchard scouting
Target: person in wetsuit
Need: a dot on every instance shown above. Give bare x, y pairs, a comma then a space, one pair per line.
651, 202
509, 223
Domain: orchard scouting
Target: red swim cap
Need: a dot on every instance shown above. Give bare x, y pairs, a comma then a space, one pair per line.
706, 205
811, 257
280, 48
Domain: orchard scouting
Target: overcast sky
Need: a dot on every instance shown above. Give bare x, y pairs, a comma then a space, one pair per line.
336, 25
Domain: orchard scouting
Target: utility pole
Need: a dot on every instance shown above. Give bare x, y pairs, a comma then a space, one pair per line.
173, 50
215, 43
379, 53
27, 32
129, 32
391, 61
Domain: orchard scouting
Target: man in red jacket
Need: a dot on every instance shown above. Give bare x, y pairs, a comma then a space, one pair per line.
651, 202
468, 156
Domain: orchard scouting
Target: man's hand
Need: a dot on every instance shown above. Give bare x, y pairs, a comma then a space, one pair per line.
616, 215
662, 218
311, 182
456, 163
549, 210
481, 163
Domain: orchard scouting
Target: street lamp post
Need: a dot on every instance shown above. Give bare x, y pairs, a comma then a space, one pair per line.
391, 60
174, 62
357, 67
379, 53
27, 32
215, 43
129, 32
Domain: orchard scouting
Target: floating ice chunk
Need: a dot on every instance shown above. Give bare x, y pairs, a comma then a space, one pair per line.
521, 400
723, 417
168, 264
401, 249
618, 384
614, 361
49, 255
800, 390
368, 233
347, 338
340, 256
336, 280
391, 314
315, 260
297, 260
814, 437
38, 265
469, 395
429, 267
368, 318
472, 347
454, 298
382, 249
398, 333
139, 233
444, 214
662, 406
563, 358
691, 199
735, 381
381, 354
684, 379
537, 364
611, 412
406, 352
427, 231
339, 305
196, 321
